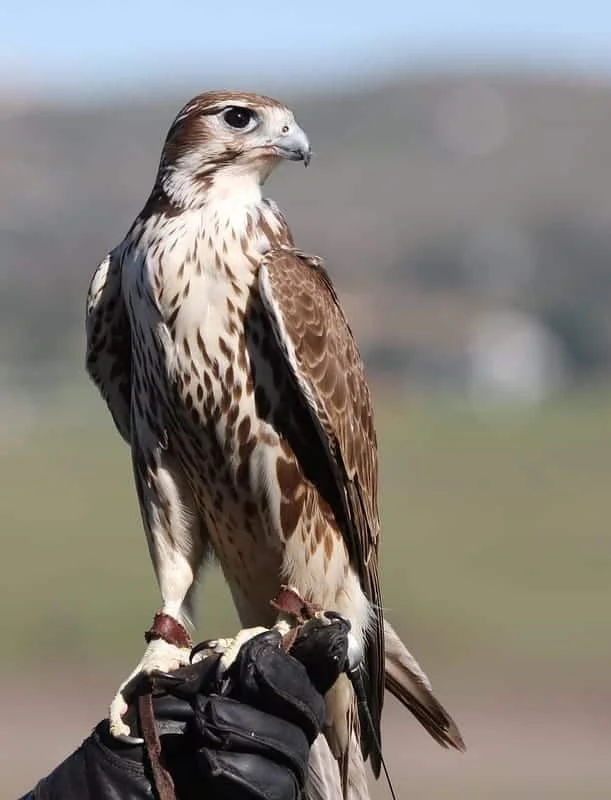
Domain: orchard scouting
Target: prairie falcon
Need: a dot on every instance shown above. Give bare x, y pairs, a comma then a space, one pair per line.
228, 366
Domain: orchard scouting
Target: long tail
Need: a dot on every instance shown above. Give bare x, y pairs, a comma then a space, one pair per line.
325, 781
406, 680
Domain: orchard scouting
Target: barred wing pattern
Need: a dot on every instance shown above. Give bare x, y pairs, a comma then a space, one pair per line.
323, 359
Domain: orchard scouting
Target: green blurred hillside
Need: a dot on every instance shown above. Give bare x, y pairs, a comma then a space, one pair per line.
495, 545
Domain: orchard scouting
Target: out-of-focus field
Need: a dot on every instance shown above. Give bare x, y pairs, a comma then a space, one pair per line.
496, 563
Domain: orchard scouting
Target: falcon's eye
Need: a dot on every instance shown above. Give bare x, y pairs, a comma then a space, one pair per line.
240, 118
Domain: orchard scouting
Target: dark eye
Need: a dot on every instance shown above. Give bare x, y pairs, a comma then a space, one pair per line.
238, 117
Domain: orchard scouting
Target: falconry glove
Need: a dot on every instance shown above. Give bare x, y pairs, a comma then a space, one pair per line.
244, 734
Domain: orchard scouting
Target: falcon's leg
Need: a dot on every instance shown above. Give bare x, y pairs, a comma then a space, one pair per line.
178, 544
254, 620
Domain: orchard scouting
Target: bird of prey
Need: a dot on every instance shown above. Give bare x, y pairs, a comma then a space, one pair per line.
226, 361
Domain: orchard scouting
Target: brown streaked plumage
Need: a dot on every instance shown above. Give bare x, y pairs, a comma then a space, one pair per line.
325, 364
228, 366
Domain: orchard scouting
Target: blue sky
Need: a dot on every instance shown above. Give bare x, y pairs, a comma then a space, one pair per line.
85, 48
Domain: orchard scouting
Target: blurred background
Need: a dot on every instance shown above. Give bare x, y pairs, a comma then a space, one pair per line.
461, 194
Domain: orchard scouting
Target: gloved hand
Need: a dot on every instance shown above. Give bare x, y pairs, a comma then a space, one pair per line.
254, 725
243, 735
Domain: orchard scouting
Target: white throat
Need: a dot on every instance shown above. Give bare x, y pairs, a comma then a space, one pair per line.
233, 197
231, 186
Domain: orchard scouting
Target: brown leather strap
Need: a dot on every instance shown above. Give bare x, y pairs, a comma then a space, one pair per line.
161, 777
288, 601
169, 629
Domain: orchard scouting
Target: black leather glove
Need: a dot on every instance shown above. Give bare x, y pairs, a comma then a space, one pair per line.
253, 732
245, 736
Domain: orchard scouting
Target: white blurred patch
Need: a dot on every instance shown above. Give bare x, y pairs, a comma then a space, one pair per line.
514, 358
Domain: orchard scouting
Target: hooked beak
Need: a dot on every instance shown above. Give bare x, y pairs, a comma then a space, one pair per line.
293, 145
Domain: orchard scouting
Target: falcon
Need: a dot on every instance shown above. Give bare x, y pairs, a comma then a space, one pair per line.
228, 366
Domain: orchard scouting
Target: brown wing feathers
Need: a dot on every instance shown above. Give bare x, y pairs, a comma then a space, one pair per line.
328, 371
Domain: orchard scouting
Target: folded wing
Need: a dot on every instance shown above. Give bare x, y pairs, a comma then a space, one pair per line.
108, 359
322, 357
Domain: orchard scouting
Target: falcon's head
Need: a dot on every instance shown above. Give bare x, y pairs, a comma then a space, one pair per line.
227, 135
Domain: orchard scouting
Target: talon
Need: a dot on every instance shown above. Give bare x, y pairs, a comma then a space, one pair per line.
160, 657
127, 738
203, 649
208, 647
235, 645
119, 729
